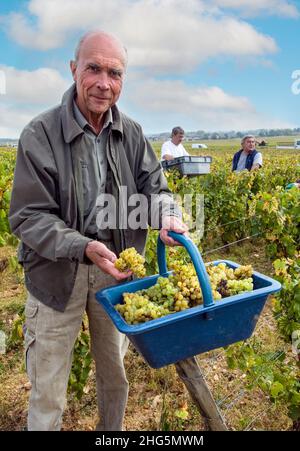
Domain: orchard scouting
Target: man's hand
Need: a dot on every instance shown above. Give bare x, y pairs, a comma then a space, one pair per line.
255, 167
176, 225
102, 257
168, 157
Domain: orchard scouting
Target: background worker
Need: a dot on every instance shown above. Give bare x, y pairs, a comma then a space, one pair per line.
247, 157
173, 148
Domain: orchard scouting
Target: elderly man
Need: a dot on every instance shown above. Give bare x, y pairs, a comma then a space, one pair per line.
67, 158
173, 148
247, 157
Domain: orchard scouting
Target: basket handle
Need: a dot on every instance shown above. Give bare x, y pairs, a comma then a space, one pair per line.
196, 259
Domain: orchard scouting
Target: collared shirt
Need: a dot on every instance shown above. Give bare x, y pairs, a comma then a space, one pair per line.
94, 170
242, 161
169, 148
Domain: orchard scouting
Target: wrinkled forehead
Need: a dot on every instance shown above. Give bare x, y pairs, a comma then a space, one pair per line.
101, 47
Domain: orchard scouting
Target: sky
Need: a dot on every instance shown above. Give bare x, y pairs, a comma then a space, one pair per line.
202, 64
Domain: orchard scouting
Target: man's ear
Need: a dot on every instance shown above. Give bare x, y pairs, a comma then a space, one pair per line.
73, 67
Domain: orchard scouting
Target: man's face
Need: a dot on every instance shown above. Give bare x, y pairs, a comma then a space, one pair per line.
178, 138
98, 74
249, 145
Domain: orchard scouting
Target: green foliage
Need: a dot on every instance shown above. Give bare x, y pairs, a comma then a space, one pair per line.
287, 304
277, 374
241, 205
274, 372
7, 164
235, 206
279, 220
172, 418
16, 334
151, 254
16, 268
81, 366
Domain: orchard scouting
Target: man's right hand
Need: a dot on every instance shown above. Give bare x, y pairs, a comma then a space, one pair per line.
168, 157
102, 257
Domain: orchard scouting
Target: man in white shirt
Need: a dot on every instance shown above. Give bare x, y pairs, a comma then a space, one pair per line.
247, 157
173, 148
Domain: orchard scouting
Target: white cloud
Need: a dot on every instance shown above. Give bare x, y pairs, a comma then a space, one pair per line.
156, 104
2, 83
259, 7
43, 86
13, 120
27, 94
163, 104
165, 35
175, 95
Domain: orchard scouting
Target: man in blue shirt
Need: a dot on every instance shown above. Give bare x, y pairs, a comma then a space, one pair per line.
247, 157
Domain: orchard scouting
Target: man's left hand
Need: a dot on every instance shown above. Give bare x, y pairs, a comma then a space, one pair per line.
176, 225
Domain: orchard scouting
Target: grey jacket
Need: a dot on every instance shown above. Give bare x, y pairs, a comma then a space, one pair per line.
46, 210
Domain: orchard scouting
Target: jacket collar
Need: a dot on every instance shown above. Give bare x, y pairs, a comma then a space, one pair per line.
70, 126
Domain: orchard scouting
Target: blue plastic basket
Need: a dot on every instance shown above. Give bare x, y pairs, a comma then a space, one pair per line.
198, 329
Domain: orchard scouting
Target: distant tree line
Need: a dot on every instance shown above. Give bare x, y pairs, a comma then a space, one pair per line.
203, 135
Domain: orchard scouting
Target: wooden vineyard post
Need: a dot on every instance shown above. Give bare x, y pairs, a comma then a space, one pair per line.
190, 374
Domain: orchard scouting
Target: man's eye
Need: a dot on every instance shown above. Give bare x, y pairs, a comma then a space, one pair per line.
115, 73
93, 68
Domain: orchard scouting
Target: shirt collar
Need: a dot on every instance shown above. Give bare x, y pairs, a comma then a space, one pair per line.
82, 121
71, 128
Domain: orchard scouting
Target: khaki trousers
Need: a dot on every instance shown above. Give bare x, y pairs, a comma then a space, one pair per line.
49, 342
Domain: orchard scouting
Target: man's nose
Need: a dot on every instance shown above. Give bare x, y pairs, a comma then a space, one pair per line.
102, 80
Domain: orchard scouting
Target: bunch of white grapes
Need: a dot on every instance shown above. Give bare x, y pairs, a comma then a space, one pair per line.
139, 309
227, 281
130, 259
181, 290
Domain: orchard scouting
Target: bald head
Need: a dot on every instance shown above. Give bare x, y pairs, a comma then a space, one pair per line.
102, 38
98, 72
